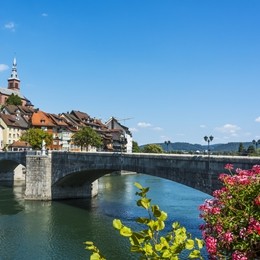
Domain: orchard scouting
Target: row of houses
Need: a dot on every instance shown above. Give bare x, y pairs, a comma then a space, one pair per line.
16, 119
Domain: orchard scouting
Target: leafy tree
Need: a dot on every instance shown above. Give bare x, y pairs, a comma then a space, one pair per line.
35, 137
135, 148
241, 148
148, 243
152, 148
14, 100
86, 137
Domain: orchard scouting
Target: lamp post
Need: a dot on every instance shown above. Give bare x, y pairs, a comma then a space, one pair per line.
256, 143
167, 145
208, 139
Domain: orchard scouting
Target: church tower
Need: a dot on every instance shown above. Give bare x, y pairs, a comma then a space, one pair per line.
14, 81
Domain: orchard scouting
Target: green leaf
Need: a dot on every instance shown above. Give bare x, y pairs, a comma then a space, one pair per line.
90, 247
200, 243
148, 249
158, 247
89, 243
96, 256
135, 248
142, 220
161, 225
126, 232
175, 225
194, 254
138, 185
117, 224
163, 216
166, 254
145, 203
189, 244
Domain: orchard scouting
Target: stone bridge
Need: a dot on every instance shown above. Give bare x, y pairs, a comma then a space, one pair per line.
9, 161
62, 175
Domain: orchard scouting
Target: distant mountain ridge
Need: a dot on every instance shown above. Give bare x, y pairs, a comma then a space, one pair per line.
187, 147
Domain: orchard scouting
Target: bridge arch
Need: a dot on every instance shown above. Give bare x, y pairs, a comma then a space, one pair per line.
12, 165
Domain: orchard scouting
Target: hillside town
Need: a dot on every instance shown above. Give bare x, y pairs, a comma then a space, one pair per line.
15, 120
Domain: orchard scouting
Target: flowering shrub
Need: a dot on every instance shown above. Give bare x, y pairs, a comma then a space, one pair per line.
232, 216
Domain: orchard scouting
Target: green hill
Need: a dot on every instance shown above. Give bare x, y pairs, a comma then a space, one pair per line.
187, 147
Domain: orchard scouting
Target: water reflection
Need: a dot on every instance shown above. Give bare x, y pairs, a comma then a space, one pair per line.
57, 229
10, 197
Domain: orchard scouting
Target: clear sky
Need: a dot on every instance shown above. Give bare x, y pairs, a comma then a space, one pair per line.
172, 69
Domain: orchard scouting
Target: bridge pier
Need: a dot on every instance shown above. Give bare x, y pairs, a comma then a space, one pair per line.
38, 178
86, 190
40, 182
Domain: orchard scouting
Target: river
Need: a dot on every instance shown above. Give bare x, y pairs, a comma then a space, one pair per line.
57, 229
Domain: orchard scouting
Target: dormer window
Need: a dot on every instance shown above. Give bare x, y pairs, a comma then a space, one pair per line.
42, 121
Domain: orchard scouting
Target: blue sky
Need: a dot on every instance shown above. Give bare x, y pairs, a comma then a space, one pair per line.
174, 70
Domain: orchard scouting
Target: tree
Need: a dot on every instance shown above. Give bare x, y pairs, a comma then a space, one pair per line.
86, 137
251, 149
14, 100
35, 137
148, 243
135, 148
152, 148
241, 149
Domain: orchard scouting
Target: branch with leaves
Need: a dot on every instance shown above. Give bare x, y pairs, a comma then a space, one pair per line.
148, 243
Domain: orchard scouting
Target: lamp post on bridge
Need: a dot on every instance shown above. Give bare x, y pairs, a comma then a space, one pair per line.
256, 143
167, 145
208, 139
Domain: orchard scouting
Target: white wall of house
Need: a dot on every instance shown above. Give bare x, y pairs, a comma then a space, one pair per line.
129, 139
129, 144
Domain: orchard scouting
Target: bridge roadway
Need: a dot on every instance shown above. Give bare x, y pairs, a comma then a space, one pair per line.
62, 175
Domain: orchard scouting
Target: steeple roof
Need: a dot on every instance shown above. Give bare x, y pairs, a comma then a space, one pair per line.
14, 74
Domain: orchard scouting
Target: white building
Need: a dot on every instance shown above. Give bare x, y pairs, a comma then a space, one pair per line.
122, 137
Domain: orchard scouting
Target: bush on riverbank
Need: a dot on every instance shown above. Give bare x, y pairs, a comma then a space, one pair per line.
232, 228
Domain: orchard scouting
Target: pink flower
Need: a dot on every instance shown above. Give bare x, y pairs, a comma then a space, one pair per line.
257, 200
228, 237
219, 228
229, 166
232, 216
239, 256
211, 244
254, 226
242, 233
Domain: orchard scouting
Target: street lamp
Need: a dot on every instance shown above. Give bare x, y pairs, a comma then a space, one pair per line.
256, 143
208, 139
167, 145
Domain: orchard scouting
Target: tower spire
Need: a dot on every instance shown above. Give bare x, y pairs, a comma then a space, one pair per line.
14, 81
14, 74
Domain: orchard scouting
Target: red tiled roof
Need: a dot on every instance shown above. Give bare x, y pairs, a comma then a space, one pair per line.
41, 118
20, 144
